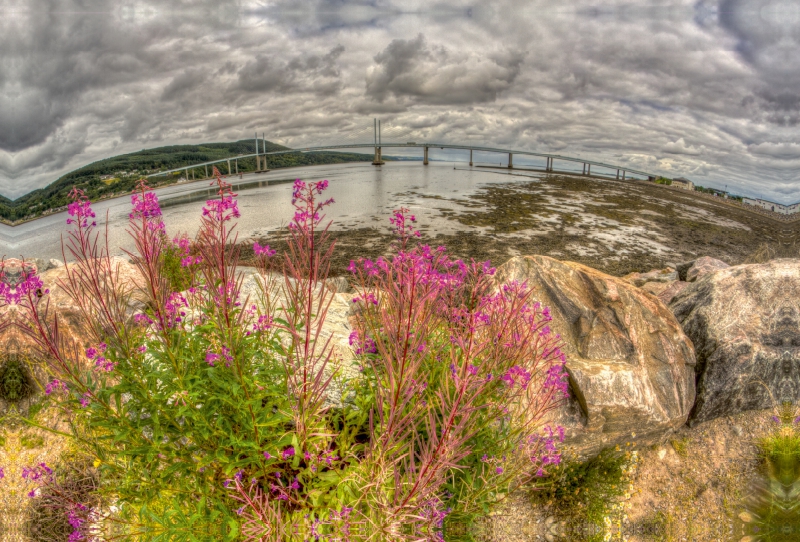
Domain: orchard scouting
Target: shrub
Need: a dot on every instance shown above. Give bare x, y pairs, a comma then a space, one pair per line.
585, 493
211, 414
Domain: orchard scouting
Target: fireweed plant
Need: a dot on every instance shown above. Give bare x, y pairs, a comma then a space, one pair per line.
210, 411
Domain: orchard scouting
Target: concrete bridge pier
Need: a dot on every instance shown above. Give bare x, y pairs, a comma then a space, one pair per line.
206, 171
510, 161
588, 169
623, 175
229, 167
617, 174
378, 160
470, 158
425, 157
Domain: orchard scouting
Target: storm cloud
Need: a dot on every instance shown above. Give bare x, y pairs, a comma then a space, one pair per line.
709, 90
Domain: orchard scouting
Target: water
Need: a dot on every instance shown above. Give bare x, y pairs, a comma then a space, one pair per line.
365, 195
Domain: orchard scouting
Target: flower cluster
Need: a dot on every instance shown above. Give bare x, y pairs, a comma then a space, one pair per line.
226, 207
146, 208
544, 449
307, 209
175, 305
362, 345
263, 323
35, 473
402, 224
31, 288
516, 375
263, 251
223, 209
76, 521
54, 386
213, 357
100, 361
80, 209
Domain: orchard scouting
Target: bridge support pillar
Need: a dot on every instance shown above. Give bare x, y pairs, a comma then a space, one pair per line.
588, 169
470, 158
378, 160
229, 167
425, 157
206, 171
617, 174
623, 175
510, 161
236, 163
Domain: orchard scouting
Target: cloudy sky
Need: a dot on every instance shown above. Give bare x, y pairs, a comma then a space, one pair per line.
707, 89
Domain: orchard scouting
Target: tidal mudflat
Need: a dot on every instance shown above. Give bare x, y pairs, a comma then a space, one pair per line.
615, 226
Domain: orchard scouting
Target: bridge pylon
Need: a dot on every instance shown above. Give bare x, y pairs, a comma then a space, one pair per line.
377, 161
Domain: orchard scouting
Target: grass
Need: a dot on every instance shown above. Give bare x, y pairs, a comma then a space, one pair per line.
681, 446
30, 442
583, 493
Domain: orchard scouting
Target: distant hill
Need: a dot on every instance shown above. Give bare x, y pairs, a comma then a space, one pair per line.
117, 175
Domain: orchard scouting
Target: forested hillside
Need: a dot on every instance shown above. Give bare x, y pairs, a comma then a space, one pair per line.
118, 175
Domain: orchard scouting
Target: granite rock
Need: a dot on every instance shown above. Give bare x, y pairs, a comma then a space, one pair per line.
744, 322
631, 367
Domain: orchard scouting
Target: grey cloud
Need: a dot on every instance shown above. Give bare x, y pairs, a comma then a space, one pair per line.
433, 74
680, 147
783, 151
317, 73
181, 84
684, 88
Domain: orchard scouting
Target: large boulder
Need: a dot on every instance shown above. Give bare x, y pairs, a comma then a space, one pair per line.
744, 322
703, 266
672, 289
631, 367
656, 276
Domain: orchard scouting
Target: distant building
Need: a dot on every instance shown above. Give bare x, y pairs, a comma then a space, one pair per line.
772, 206
681, 182
106, 177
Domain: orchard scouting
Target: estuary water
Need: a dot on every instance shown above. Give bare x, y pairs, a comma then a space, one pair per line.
365, 195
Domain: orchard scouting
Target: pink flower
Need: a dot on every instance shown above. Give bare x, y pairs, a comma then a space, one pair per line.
263, 323
80, 209
146, 208
516, 375
288, 452
211, 357
263, 251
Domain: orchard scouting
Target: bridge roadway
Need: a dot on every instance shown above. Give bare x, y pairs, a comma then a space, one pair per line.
587, 164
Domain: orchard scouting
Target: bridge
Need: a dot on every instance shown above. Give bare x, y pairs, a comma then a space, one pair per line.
378, 145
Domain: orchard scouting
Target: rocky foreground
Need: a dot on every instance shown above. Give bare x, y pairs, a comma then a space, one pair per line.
677, 363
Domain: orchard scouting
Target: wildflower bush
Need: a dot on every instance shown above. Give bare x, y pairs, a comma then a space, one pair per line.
212, 414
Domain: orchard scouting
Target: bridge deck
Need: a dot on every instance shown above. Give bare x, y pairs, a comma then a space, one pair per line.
419, 146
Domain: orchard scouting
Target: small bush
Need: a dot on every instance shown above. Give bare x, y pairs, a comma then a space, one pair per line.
583, 493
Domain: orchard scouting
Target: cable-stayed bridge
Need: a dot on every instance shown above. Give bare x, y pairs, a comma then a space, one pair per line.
378, 138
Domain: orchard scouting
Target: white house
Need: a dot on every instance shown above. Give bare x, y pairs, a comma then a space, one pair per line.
774, 207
